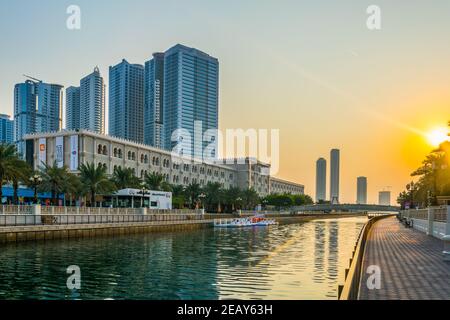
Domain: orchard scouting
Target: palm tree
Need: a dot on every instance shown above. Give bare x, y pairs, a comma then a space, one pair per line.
125, 178
155, 181
72, 187
8, 155
250, 198
95, 180
233, 196
54, 179
19, 173
214, 194
192, 192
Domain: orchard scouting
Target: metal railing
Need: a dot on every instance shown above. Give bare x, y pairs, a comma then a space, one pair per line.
11, 220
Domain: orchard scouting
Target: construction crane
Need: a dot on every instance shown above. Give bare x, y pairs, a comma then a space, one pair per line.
31, 78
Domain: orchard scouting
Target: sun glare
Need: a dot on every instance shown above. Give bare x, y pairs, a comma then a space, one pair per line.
437, 136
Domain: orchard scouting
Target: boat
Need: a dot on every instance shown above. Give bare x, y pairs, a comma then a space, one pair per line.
255, 221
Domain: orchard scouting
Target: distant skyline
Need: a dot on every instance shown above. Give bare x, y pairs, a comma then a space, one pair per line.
312, 70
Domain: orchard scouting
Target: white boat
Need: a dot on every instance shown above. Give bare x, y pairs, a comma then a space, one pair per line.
255, 221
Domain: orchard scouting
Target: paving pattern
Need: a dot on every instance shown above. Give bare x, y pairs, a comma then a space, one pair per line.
411, 264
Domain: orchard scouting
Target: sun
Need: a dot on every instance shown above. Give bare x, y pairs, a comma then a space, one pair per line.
437, 136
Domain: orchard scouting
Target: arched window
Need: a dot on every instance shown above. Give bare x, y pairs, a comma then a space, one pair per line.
99, 149
142, 158
105, 150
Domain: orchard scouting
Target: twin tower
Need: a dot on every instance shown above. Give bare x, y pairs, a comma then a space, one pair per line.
321, 177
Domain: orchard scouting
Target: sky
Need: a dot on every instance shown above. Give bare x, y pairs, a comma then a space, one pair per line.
311, 69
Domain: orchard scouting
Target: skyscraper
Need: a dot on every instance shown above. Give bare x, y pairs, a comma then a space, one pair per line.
126, 101
321, 179
73, 108
154, 100
37, 108
85, 105
384, 198
92, 102
361, 190
191, 83
334, 176
6, 129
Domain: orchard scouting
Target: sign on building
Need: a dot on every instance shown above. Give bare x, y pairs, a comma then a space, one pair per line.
59, 152
73, 153
42, 152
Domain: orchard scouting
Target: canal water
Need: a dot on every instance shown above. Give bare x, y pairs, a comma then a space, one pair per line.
296, 261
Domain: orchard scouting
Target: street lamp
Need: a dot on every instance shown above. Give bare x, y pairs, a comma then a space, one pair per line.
35, 181
144, 192
201, 197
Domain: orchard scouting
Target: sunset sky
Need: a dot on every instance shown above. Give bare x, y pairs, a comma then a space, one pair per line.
309, 68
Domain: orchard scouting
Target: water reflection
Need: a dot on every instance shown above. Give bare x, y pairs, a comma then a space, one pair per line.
299, 261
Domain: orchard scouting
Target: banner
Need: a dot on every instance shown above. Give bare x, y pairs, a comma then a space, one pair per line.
42, 152
59, 152
73, 153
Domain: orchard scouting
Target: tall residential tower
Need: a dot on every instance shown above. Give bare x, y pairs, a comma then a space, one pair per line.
321, 179
334, 176
361, 190
126, 101
154, 100
6, 129
37, 108
190, 106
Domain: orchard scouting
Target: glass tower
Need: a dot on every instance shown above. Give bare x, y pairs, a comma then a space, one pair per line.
190, 106
126, 101
6, 129
154, 84
37, 108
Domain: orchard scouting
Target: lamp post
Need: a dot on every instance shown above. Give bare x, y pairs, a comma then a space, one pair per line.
35, 180
201, 197
144, 192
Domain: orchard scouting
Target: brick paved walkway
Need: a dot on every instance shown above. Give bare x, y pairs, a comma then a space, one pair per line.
410, 261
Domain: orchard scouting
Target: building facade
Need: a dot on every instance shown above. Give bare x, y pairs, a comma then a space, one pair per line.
190, 106
321, 179
92, 102
154, 101
126, 101
361, 190
384, 198
6, 129
334, 176
73, 148
73, 108
37, 108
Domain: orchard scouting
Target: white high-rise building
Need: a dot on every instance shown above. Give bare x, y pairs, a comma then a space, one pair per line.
321, 179
92, 102
361, 190
334, 176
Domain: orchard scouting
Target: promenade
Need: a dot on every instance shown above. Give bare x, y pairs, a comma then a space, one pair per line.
411, 264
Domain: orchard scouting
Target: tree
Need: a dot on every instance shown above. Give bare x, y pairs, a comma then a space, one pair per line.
54, 179
19, 173
8, 156
214, 195
95, 181
155, 181
192, 193
233, 197
125, 178
250, 198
